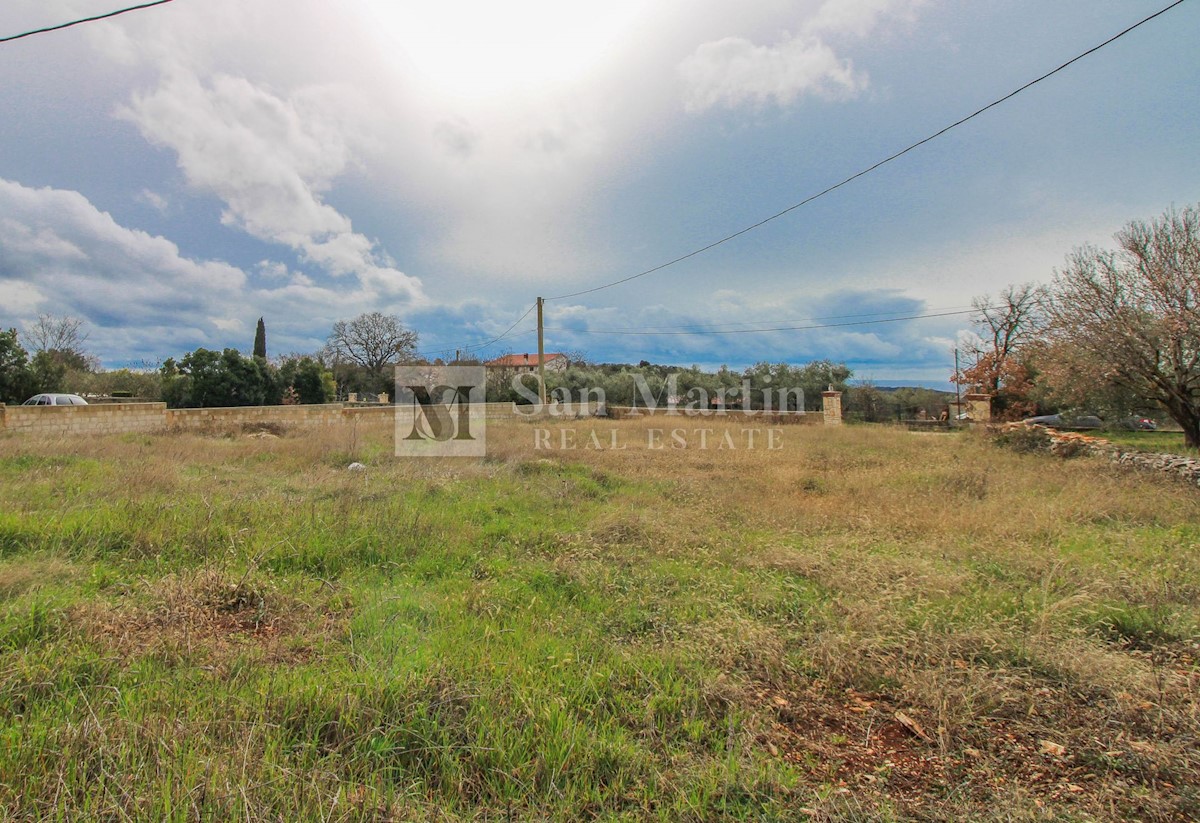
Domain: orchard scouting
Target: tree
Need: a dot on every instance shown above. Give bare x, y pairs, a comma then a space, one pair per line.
49, 371
60, 360
260, 340
809, 380
576, 357
205, 378
311, 381
61, 334
372, 341
16, 377
866, 403
1008, 327
1130, 317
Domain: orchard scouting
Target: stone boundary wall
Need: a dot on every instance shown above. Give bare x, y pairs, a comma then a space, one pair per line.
774, 418
117, 418
109, 418
1069, 443
202, 420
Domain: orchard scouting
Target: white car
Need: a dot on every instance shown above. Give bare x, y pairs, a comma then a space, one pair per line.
55, 400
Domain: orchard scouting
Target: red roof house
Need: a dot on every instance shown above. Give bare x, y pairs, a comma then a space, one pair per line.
552, 361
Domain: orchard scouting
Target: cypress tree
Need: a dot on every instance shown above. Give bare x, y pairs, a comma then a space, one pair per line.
260, 340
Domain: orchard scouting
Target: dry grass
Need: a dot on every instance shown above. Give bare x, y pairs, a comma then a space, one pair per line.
672, 633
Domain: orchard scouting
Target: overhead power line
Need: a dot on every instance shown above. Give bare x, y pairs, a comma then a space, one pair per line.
528, 311
104, 16
762, 331
467, 347
878, 165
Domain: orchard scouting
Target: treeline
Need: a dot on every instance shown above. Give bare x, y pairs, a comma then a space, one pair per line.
620, 383
200, 378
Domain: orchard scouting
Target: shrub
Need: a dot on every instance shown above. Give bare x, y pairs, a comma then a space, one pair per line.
1024, 439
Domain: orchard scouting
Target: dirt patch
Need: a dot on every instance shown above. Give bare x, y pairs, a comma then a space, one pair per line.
868, 748
210, 615
854, 742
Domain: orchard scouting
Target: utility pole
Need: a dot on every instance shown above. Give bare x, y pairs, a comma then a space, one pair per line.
541, 357
957, 397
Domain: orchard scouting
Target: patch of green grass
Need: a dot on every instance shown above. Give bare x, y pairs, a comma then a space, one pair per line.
1166, 442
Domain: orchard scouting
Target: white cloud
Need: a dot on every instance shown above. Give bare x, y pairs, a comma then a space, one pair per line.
270, 160
153, 199
280, 128
734, 71
18, 299
142, 297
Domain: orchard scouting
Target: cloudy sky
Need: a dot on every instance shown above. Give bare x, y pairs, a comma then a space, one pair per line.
174, 173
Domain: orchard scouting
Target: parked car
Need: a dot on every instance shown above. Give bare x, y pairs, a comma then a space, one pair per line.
1058, 421
55, 400
1138, 423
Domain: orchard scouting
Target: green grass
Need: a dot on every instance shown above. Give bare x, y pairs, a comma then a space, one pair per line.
218, 628
1159, 441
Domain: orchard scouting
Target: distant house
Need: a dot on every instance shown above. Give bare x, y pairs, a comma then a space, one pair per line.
521, 363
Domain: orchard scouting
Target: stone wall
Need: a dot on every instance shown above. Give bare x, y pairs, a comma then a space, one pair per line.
1069, 443
110, 418
249, 416
774, 418
115, 418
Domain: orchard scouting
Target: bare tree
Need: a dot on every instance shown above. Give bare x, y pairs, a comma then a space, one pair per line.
1005, 324
1131, 316
577, 357
1007, 327
57, 334
373, 341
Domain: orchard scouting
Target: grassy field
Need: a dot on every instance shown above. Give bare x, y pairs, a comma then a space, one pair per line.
864, 624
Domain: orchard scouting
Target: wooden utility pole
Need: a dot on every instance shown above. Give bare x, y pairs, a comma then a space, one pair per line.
541, 357
957, 392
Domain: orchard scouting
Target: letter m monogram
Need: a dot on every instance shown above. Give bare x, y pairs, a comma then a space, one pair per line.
440, 411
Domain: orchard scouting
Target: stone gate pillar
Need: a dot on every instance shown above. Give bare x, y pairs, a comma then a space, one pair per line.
831, 407
979, 407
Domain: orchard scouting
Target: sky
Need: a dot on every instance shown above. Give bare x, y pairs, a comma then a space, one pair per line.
173, 174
